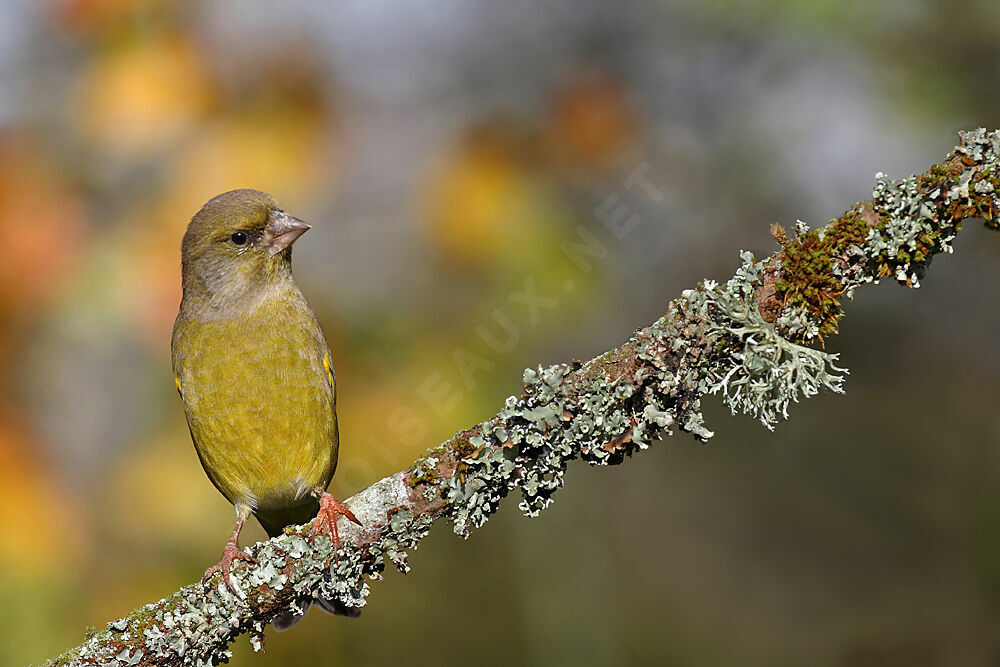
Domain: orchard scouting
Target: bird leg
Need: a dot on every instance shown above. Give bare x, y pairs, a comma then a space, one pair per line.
326, 518
231, 553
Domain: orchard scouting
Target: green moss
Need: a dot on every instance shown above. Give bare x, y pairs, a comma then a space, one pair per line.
983, 182
422, 475
461, 444
460, 448
67, 658
944, 176
897, 235
808, 280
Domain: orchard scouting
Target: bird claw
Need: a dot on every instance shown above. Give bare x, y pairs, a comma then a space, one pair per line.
225, 565
326, 518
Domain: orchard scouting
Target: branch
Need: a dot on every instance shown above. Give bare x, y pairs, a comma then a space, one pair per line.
751, 340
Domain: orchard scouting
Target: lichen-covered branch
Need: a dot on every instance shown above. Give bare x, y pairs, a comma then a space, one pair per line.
753, 340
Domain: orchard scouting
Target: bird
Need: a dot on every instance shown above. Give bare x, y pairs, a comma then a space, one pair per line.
253, 368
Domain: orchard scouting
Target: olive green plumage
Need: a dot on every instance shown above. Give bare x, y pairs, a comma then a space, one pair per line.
251, 362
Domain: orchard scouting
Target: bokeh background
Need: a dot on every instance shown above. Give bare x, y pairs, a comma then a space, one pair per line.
445, 152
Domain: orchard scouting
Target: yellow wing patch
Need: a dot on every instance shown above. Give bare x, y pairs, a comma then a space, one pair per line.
177, 383
328, 365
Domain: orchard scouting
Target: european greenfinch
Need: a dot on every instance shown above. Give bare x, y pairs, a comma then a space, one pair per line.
253, 369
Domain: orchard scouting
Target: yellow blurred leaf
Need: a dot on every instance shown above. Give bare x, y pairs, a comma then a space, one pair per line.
142, 93
473, 196
282, 150
159, 493
40, 526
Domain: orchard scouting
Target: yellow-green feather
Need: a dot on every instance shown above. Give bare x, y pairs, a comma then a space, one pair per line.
259, 396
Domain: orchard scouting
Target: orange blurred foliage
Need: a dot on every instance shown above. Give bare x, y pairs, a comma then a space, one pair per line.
90, 17
43, 226
591, 122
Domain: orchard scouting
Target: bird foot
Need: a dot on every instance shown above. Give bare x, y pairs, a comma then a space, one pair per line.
326, 518
229, 554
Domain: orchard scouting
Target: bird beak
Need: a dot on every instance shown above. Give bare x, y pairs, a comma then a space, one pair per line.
281, 231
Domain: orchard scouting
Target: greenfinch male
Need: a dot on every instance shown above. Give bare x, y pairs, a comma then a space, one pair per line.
253, 369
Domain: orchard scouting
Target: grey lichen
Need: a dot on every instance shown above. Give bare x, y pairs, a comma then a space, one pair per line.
757, 370
735, 340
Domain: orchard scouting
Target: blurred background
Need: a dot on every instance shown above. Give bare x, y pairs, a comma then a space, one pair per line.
446, 153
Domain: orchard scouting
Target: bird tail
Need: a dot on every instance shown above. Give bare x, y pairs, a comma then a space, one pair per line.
334, 607
274, 521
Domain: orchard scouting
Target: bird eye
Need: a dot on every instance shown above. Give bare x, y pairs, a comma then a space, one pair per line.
239, 238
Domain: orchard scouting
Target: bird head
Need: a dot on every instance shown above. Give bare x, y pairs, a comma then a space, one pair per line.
236, 246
